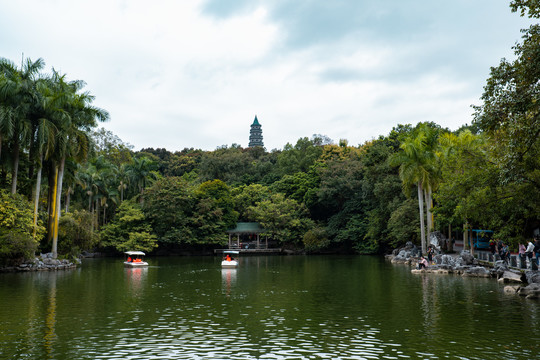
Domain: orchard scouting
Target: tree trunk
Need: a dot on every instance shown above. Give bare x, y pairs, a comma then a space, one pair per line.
53, 176
58, 207
33, 149
68, 197
428, 217
471, 241
422, 226
430, 213
15, 167
97, 213
36, 195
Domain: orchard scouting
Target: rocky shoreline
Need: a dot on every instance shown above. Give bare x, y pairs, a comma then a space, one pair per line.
44, 262
521, 282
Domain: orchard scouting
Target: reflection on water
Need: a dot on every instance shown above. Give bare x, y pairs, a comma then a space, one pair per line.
50, 321
135, 278
228, 278
269, 308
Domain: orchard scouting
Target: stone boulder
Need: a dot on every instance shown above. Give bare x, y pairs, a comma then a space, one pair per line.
499, 268
49, 261
406, 254
533, 277
477, 271
531, 291
467, 258
410, 250
510, 276
438, 240
445, 260
511, 289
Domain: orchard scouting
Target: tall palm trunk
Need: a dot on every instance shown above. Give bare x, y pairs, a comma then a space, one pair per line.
33, 149
422, 226
58, 200
429, 216
97, 213
121, 191
53, 177
15, 167
36, 194
68, 198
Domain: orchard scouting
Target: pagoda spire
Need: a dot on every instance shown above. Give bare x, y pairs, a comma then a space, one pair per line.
255, 134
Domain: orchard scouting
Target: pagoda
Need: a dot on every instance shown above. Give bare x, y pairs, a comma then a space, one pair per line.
255, 134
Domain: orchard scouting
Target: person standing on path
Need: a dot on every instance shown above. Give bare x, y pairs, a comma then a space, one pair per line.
505, 254
537, 249
529, 252
499, 247
522, 258
430, 252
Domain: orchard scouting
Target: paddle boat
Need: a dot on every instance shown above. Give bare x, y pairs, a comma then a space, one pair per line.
229, 261
135, 259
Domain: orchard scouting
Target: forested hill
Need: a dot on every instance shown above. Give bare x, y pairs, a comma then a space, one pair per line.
65, 187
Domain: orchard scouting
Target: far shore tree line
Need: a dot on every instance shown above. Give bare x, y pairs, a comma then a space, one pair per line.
67, 186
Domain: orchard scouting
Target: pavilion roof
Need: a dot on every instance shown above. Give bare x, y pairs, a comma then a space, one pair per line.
246, 228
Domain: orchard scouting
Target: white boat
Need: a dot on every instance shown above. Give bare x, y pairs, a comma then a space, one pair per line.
135, 259
229, 261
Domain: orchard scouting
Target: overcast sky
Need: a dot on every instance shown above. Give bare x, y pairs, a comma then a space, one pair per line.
194, 73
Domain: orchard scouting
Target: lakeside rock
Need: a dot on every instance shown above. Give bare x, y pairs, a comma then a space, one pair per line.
523, 282
44, 262
531, 291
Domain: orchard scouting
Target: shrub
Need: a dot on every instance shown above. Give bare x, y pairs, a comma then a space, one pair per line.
316, 239
18, 238
75, 233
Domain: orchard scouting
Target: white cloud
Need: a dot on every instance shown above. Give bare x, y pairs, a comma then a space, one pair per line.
172, 75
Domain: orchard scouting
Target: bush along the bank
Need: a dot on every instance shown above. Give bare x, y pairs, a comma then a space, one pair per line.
19, 235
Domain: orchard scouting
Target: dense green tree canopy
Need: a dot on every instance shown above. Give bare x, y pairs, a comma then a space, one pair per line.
314, 195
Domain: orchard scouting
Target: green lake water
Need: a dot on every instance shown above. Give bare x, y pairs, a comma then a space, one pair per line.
272, 307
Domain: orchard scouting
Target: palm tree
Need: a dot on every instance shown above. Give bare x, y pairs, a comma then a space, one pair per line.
417, 166
463, 150
432, 156
141, 171
7, 105
45, 130
122, 177
73, 140
20, 87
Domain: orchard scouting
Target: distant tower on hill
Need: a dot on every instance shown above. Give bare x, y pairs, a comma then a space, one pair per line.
255, 134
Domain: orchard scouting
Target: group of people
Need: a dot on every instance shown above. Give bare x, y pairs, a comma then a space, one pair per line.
531, 251
423, 263
501, 248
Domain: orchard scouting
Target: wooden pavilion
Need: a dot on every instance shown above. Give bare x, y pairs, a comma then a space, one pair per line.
246, 235
246, 239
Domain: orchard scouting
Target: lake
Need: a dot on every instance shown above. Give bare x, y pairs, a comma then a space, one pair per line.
271, 307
